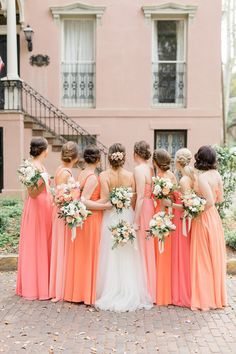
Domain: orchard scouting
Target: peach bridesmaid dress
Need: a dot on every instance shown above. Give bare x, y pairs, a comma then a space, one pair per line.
180, 284
35, 248
208, 261
147, 247
163, 267
81, 272
61, 235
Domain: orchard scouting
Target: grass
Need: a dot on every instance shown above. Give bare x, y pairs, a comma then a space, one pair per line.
10, 218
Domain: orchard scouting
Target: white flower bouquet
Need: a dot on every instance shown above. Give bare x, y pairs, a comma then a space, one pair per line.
66, 193
162, 187
160, 227
29, 175
74, 214
193, 204
121, 197
122, 233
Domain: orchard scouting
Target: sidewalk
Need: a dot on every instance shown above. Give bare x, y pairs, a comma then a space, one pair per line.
44, 327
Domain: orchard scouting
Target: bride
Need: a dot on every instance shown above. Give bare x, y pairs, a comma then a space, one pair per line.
121, 283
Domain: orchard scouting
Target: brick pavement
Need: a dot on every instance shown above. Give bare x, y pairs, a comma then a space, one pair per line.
45, 327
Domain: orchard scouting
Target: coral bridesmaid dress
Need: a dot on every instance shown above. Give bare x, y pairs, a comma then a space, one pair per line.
163, 266
61, 235
35, 248
181, 287
207, 261
147, 247
81, 272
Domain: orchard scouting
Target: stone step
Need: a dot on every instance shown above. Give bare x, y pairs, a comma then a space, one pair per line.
57, 147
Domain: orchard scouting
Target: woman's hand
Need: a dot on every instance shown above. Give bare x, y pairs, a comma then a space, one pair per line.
136, 226
166, 202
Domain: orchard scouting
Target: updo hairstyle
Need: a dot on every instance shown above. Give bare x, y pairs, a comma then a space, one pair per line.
162, 159
116, 155
37, 146
142, 149
69, 151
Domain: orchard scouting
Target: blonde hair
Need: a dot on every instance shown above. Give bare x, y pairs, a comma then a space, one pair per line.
69, 151
183, 157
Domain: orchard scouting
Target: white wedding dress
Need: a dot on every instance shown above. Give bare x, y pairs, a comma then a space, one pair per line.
121, 283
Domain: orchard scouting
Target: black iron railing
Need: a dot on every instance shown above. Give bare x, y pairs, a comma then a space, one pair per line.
18, 95
168, 83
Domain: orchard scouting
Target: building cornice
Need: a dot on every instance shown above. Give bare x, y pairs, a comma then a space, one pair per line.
77, 9
169, 9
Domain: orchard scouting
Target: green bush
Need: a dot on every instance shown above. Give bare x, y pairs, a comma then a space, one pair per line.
226, 158
230, 238
10, 218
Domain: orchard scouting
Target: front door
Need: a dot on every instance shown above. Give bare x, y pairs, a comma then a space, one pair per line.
170, 140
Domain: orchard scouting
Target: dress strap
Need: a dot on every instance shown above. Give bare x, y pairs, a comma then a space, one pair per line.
91, 174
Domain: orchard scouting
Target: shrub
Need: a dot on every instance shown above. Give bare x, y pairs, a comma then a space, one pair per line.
10, 218
226, 158
230, 238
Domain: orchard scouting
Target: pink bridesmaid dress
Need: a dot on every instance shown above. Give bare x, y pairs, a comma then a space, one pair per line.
82, 263
61, 235
207, 261
147, 247
35, 248
180, 261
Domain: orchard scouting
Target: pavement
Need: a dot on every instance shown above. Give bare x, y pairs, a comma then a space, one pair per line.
46, 327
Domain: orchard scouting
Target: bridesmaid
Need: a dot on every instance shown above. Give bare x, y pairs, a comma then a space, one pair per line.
81, 271
181, 242
207, 256
35, 234
61, 234
161, 162
144, 210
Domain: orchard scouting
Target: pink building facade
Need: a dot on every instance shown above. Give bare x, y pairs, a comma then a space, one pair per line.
123, 70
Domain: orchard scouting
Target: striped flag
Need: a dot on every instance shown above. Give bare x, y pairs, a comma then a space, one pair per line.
1, 64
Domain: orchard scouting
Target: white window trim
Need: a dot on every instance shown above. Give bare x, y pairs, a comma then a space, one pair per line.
154, 23
170, 9
77, 9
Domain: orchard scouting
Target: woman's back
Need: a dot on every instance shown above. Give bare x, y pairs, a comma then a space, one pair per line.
118, 178
209, 185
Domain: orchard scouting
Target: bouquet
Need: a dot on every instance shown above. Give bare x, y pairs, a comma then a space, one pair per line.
120, 198
122, 233
74, 213
160, 227
162, 187
193, 205
66, 193
29, 175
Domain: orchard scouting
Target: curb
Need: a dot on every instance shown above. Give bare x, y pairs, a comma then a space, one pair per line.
9, 263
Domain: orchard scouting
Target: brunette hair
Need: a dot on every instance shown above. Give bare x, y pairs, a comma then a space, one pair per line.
116, 155
92, 154
142, 149
37, 146
205, 159
69, 151
162, 159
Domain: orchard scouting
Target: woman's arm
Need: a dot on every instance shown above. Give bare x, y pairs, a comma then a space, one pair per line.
35, 191
220, 195
140, 188
103, 202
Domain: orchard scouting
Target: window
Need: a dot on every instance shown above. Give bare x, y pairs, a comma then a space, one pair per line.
78, 63
82, 140
170, 140
168, 63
